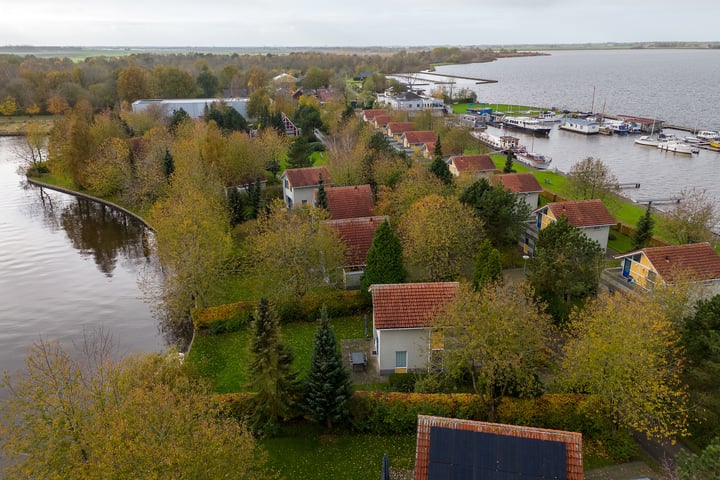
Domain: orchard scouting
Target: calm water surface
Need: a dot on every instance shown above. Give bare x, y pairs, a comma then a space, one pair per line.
67, 265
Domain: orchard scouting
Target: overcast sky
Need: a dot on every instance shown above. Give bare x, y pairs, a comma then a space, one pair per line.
352, 22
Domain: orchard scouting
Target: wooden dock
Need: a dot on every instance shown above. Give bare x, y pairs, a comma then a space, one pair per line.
446, 75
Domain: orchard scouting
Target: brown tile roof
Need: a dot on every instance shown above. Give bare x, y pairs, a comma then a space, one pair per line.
572, 441
472, 163
400, 127
430, 146
409, 305
382, 120
357, 234
370, 114
698, 260
350, 202
518, 182
307, 177
420, 136
583, 213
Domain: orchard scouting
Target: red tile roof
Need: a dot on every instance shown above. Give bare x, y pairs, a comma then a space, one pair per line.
400, 127
472, 163
307, 177
572, 441
420, 136
370, 114
583, 213
518, 182
357, 234
382, 120
409, 305
350, 202
698, 260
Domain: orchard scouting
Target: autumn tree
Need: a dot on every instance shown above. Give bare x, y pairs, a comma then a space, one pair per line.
488, 266
439, 235
32, 150
692, 219
590, 178
504, 214
644, 231
565, 267
271, 376
293, 251
207, 82
8, 106
327, 386
498, 336
91, 415
171, 82
109, 169
192, 230
415, 183
384, 259
133, 84
623, 349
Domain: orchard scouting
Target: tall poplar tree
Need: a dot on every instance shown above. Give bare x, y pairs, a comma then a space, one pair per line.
272, 377
327, 388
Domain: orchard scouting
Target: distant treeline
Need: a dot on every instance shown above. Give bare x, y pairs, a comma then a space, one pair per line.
32, 85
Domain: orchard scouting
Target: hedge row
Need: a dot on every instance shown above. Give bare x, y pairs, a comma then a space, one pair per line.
233, 316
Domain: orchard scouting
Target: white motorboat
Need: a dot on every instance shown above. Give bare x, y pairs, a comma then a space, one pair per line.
648, 141
691, 139
550, 117
675, 147
533, 159
580, 125
708, 135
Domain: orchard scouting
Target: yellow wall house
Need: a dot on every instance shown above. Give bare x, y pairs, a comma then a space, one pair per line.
590, 216
658, 266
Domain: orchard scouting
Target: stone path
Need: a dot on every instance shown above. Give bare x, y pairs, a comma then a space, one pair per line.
626, 471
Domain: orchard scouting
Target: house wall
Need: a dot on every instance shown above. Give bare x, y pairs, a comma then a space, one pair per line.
298, 195
414, 341
599, 234
532, 199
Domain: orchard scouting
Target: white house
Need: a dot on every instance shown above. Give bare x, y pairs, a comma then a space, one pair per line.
590, 216
300, 184
410, 101
403, 315
524, 185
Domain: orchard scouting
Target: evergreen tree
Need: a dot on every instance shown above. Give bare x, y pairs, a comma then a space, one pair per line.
327, 388
384, 259
644, 231
168, 164
438, 148
179, 116
509, 157
236, 206
299, 153
441, 170
321, 194
488, 266
271, 375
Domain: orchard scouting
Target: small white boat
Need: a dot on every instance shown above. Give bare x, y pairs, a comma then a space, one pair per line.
580, 125
550, 117
708, 135
690, 139
533, 159
675, 147
648, 141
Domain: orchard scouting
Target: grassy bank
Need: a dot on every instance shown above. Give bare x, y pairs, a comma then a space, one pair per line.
12, 126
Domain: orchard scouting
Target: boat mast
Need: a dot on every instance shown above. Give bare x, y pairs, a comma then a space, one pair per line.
592, 106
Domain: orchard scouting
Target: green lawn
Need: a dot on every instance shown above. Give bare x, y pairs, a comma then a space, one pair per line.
352, 457
223, 358
507, 108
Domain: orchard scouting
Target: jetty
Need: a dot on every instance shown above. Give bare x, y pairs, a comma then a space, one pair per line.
478, 81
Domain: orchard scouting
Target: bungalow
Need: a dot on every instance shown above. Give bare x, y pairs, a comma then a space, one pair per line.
369, 115
521, 184
354, 201
300, 184
427, 149
396, 129
381, 121
590, 216
473, 165
410, 101
415, 139
357, 234
659, 266
284, 82
402, 316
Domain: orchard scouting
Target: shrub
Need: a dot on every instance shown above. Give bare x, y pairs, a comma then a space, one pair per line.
339, 303
403, 382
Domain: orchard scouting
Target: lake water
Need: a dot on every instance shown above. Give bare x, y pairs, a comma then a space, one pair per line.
681, 87
67, 265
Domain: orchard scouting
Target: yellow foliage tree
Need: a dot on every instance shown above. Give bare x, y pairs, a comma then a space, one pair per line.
622, 348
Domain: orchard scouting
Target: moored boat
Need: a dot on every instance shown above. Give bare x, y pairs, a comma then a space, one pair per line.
648, 141
531, 125
533, 159
675, 147
503, 143
580, 125
550, 117
708, 135
605, 130
714, 144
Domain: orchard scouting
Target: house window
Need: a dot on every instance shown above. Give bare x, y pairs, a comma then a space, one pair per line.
400, 359
304, 202
287, 184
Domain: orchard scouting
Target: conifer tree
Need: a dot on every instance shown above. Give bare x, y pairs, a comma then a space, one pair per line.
168, 164
384, 259
488, 266
644, 231
236, 205
321, 194
438, 148
327, 388
441, 170
271, 375
509, 157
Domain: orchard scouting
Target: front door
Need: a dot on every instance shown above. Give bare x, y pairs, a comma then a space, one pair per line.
400, 362
627, 263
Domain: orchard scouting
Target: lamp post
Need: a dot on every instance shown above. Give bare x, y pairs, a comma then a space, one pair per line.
525, 259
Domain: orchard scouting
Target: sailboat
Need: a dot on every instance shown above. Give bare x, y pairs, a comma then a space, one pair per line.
649, 140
